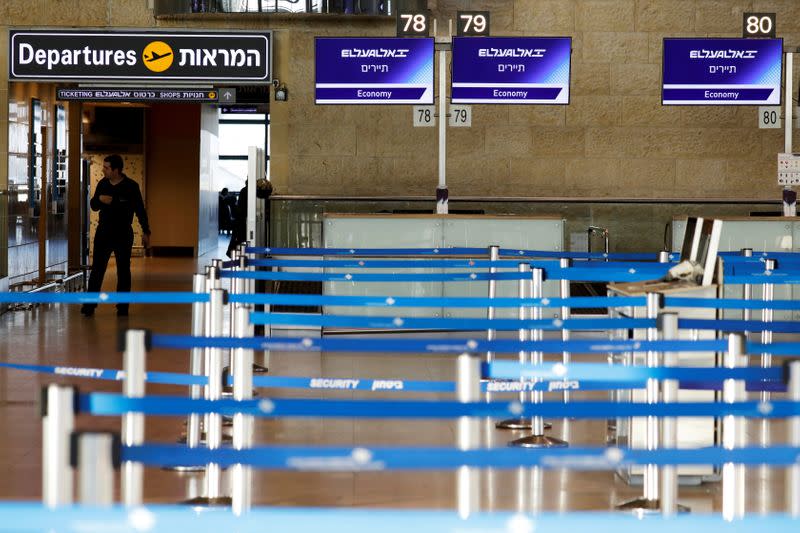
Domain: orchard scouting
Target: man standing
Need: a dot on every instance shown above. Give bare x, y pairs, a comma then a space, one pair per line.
117, 197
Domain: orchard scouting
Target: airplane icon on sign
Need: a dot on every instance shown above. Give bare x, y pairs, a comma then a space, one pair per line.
154, 56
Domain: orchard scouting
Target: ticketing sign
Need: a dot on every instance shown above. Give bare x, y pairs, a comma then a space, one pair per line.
133, 94
511, 70
722, 71
366, 70
188, 57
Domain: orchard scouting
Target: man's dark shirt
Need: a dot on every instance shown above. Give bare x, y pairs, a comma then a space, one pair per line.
117, 217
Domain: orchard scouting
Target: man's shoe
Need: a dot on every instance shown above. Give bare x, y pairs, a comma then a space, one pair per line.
87, 311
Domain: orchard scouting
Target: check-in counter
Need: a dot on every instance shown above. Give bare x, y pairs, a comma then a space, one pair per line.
770, 234
437, 231
692, 432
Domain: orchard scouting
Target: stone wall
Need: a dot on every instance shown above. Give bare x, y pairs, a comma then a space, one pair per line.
614, 139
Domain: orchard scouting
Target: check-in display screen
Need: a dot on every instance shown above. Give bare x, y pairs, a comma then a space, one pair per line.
722, 71
511, 70
368, 70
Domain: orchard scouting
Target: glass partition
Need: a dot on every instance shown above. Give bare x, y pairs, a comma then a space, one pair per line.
633, 226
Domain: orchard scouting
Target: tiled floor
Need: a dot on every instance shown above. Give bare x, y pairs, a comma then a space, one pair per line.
60, 335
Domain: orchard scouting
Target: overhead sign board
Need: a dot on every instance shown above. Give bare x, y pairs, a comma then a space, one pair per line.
364, 70
132, 94
511, 70
188, 57
722, 71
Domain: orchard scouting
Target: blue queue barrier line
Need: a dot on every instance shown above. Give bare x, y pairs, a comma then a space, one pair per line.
327, 459
445, 346
775, 277
619, 373
760, 254
106, 404
572, 274
440, 252
381, 384
453, 324
436, 263
731, 303
28, 517
575, 302
779, 326
387, 301
161, 378
104, 297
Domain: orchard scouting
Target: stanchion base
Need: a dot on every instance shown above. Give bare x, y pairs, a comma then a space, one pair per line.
642, 506
538, 441
519, 423
185, 469
203, 501
258, 369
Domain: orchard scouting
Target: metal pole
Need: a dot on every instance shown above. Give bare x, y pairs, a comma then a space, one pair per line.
441, 189
491, 334
134, 363
668, 324
241, 475
733, 435
524, 335
94, 456
564, 292
538, 438
249, 287
58, 421
468, 390
767, 315
651, 441
214, 325
747, 291
195, 369
793, 474
649, 502
788, 103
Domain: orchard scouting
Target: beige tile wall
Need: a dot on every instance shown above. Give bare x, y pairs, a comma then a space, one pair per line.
614, 139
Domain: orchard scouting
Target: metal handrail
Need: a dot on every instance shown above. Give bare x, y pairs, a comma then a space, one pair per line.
530, 199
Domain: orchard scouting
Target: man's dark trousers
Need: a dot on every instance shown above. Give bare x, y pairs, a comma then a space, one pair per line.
104, 244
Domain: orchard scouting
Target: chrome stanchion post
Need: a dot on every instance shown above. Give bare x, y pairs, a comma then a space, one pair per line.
649, 502
524, 335
564, 292
491, 334
58, 421
241, 475
137, 342
468, 390
236, 288
793, 473
538, 439
767, 315
733, 435
249, 287
214, 325
196, 369
95, 455
668, 325
747, 293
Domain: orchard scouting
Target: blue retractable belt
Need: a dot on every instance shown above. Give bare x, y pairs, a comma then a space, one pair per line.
28, 517
105, 404
384, 458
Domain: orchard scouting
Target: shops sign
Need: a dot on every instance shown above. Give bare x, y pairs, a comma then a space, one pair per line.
193, 57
